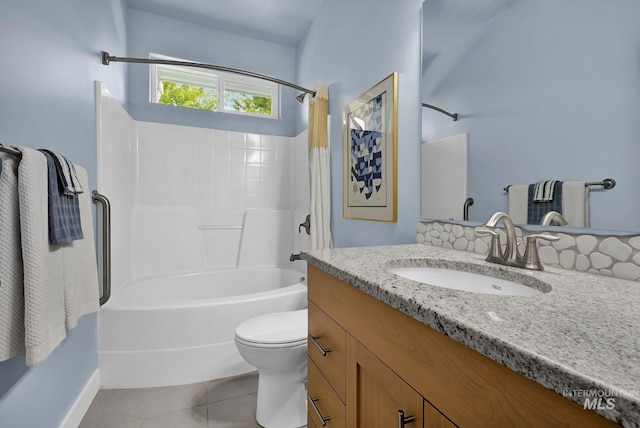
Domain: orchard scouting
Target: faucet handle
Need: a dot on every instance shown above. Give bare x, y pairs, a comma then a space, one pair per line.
545, 236
495, 248
531, 258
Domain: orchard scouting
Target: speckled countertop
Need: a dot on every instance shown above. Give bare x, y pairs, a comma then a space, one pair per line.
581, 339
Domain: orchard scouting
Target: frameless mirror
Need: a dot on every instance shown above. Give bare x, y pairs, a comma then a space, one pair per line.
545, 90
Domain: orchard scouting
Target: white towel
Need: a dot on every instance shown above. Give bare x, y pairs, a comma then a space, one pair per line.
11, 289
80, 269
60, 282
519, 203
44, 317
575, 203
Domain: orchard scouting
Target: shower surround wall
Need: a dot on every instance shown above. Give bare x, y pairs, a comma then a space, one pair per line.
188, 199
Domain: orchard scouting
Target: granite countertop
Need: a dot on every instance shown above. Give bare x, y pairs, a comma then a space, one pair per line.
581, 339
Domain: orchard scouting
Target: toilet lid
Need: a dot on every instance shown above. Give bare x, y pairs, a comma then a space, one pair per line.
278, 327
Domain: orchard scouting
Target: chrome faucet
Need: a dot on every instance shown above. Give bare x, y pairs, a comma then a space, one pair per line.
553, 218
511, 256
511, 249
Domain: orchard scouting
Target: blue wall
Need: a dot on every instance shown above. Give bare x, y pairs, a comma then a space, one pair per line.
546, 89
351, 46
50, 60
149, 33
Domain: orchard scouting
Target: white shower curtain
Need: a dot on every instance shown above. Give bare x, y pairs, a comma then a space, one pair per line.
319, 169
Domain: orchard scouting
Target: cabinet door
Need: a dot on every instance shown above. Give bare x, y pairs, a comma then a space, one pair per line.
376, 396
434, 419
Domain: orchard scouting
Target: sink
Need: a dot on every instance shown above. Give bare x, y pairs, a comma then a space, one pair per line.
473, 282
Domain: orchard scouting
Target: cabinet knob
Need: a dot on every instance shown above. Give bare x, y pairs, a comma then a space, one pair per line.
323, 419
320, 349
402, 419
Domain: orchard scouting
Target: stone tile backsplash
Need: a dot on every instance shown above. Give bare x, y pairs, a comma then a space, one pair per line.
616, 256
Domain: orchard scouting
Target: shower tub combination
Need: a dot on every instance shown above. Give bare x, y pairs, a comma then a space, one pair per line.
179, 329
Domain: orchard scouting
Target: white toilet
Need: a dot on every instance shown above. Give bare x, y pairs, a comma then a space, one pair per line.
276, 344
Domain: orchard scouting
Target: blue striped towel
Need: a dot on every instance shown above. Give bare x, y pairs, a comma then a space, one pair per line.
537, 210
66, 173
64, 209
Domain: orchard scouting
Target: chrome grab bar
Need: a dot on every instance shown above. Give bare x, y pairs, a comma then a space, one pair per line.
106, 244
465, 212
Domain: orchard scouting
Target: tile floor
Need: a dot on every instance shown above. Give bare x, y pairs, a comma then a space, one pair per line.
223, 403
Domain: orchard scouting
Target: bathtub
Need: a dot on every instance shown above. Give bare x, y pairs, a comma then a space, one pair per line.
175, 330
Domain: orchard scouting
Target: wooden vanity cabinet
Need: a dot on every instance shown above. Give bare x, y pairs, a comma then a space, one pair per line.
391, 362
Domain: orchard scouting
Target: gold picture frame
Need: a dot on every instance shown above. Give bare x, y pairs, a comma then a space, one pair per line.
370, 153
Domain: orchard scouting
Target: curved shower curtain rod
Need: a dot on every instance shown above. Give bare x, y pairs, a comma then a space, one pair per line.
454, 116
106, 59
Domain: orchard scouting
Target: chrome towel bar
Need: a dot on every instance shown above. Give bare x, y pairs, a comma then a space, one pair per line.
607, 183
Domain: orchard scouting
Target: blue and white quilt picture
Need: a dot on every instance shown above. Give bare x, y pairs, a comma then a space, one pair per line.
367, 155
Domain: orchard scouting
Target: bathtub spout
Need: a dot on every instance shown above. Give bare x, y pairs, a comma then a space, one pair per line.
294, 257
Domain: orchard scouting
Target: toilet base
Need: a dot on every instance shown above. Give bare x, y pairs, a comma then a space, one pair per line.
282, 400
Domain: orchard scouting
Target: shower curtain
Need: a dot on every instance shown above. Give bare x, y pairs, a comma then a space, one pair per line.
319, 170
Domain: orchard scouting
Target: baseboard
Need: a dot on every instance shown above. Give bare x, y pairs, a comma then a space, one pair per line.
82, 403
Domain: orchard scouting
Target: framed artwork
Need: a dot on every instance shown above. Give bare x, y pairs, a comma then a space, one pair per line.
369, 153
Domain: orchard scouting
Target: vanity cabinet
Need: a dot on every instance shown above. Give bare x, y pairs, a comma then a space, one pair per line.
386, 362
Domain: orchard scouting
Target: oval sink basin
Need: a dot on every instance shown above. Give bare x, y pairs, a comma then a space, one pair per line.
465, 281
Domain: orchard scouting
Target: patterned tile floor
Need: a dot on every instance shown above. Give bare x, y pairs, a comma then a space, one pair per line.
223, 403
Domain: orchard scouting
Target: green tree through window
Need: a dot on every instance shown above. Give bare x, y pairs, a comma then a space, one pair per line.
248, 103
180, 94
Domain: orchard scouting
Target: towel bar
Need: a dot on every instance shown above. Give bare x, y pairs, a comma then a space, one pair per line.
106, 244
607, 183
9, 150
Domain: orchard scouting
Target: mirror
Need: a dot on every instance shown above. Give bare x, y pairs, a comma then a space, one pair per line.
545, 90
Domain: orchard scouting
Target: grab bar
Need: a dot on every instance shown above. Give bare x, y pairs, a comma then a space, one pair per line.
106, 244
465, 211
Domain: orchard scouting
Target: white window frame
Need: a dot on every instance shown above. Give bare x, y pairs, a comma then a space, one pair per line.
222, 77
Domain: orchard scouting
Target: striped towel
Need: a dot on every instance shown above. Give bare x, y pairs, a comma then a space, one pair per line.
536, 210
66, 173
544, 190
64, 210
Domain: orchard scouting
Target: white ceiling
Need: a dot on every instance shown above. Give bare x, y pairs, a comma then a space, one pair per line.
279, 21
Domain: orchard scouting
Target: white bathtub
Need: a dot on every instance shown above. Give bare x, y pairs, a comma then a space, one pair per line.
179, 329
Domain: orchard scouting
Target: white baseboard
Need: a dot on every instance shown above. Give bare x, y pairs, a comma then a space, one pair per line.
82, 403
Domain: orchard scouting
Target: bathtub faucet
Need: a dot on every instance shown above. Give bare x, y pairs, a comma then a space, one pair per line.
294, 257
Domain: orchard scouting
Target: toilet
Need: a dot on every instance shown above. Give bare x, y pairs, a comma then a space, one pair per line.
276, 344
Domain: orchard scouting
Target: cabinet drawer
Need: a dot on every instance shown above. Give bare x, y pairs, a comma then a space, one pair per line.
328, 405
327, 343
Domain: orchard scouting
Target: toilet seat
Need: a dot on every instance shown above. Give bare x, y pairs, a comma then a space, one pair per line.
275, 330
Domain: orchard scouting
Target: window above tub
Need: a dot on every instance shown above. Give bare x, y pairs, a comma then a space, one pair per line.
213, 90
